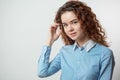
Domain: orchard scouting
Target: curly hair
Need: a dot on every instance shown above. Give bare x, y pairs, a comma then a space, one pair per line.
89, 22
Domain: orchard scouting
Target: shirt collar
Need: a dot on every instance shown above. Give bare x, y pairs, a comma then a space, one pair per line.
87, 46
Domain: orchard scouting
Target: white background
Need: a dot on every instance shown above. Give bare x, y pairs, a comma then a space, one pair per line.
24, 28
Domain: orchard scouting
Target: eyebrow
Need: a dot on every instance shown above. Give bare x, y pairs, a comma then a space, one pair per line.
70, 21
74, 20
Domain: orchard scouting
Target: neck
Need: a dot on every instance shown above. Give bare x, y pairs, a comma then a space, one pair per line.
81, 42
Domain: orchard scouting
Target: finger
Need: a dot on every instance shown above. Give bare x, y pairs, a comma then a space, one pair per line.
59, 32
54, 26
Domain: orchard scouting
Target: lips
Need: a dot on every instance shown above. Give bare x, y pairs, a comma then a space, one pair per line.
73, 34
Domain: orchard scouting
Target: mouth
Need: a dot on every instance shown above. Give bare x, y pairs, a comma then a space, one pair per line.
73, 34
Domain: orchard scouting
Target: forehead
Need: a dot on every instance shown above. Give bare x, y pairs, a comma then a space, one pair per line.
68, 16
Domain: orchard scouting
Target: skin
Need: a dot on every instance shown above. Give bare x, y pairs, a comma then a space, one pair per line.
72, 28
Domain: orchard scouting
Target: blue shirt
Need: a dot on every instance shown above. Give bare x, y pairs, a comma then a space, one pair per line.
90, 62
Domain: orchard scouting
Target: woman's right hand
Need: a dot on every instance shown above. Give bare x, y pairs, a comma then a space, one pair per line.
54, 33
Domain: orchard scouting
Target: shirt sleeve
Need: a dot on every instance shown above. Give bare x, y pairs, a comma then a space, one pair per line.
46, 68
107, 66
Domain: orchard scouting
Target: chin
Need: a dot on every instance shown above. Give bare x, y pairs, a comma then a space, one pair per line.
74, 38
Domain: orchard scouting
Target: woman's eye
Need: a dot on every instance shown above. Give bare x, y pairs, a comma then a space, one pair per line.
75, 22
64, 25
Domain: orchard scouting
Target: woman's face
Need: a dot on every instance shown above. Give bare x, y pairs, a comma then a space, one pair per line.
72, 26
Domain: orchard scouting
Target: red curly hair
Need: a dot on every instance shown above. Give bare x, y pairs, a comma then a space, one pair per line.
89, 23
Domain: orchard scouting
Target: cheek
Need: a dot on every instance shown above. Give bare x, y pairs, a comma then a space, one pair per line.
80, 31
65, 30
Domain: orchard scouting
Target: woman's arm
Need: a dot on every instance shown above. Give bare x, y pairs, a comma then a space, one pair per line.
54, 34
107, 66
46, 68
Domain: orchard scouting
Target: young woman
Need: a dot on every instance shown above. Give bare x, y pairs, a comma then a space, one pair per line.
85, 55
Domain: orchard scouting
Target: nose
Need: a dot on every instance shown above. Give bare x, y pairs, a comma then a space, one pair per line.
70, 28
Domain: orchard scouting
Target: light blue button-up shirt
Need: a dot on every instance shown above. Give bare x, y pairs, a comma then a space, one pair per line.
91, 62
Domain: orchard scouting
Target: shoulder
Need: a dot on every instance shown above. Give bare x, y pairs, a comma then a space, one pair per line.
104, 51
106, 54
